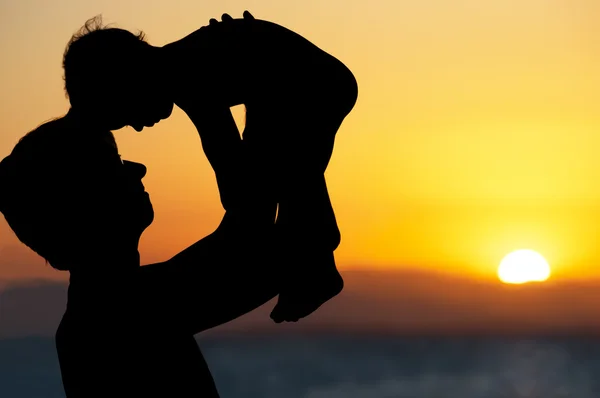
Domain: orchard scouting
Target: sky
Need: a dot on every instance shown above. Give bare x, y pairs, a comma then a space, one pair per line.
475, 131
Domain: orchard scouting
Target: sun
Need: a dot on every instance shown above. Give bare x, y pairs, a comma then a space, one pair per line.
522, 266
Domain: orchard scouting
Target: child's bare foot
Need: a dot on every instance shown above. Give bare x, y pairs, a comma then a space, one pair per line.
311, 287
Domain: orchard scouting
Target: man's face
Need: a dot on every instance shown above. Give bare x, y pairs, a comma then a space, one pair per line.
111, 193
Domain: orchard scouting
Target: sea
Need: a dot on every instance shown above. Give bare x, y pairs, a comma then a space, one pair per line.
344, 366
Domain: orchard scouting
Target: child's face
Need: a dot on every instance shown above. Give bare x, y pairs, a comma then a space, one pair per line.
137, 95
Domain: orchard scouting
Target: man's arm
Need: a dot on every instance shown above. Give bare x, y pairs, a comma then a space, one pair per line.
212, 282
233, 270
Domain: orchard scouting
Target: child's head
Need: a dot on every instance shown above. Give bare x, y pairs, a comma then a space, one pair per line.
112, 76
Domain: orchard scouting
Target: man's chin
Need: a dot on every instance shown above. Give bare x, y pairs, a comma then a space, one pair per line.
149, 219
145, 218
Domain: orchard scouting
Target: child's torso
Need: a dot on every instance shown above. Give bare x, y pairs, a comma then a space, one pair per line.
252, 60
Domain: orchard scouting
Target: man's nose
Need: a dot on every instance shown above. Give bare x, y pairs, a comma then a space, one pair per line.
138, 169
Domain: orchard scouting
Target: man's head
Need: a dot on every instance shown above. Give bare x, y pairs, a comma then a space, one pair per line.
70, 198
113, 78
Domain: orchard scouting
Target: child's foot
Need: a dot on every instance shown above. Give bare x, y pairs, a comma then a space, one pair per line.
309, 290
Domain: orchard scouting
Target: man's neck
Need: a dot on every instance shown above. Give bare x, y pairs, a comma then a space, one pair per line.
78, 118
102, 278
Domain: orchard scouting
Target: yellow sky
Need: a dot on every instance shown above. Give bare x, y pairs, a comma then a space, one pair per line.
474, 133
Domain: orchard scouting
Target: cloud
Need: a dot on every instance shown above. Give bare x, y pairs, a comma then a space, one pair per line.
17, 261
393, 302
424, 302
31, 308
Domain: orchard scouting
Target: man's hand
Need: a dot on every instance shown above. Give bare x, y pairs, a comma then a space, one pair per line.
228, 18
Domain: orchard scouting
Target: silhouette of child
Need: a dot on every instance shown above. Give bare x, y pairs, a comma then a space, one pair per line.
296, 97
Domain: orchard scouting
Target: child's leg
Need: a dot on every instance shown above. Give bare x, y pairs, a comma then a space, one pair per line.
294, 149
304, 203
305, 211
306, 228
297, 142
306, 222
308, 235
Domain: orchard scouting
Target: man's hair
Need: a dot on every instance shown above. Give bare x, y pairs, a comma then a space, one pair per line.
38, 187
38, 179
91, 54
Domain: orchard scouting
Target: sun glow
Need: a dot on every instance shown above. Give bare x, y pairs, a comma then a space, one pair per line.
523, 266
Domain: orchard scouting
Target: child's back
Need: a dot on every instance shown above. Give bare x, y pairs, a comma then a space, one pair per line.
251, 60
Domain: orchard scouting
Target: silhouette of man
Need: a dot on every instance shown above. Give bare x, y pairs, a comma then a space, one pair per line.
296, 97
128, 331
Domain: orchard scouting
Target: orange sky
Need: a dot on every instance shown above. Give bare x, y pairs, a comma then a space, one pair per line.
474, 133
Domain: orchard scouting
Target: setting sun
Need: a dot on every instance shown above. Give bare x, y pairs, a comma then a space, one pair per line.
523, 266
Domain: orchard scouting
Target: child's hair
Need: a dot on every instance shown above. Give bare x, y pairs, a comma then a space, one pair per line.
91, 53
